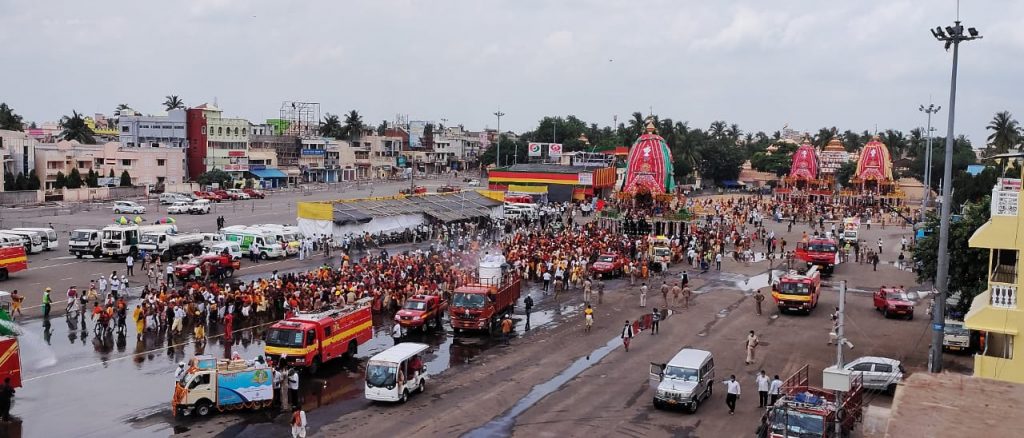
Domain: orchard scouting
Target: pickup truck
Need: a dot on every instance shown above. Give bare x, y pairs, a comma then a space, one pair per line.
893, 302
608, 264
422, 311
214, 265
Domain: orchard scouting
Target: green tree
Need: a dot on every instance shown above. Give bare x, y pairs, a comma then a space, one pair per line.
9, 120
61, 181
1006, 133
121, 109
777, 162
8, 181
126, 179
173, 102
331, 127
22, 183
963, 155
74, 179
508, 153
845, 172
222, 178
970, 188
74, 128
823, 136
111, 173
353, 125
967, 266
721, 159
92, 179
33, 182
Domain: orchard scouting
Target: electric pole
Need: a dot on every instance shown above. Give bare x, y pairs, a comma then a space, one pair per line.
497, 156
952, 37
930, 109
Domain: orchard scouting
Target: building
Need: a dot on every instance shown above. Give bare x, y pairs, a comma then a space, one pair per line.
949, 405
216, 142
554, 182
153, 131
286, 155
996, 312
19, 154
144, 165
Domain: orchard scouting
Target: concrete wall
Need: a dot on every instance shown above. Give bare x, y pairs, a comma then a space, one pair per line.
102, 193
21, 197
181, 188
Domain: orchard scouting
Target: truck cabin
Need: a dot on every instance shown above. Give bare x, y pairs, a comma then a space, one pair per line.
794, 287
291, 335
795, 422
470, 300
153, 239
422, 303
84, 235
822, 246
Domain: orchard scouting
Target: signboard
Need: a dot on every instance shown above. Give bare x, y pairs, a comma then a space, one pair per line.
401, 161
257, 167
416, 128
236, 167
1009, 184
585, 179
236, 153
1005, 202
555, 150
534, 150
314, 152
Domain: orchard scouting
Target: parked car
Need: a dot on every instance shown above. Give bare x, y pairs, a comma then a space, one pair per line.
216, 265
474, 182
121, 207
449, 189
878, 373
224, 194
212, 197
608, 264
171, 198
200, 206
414, 191
180, 207
893, 302
238, 194
253, 193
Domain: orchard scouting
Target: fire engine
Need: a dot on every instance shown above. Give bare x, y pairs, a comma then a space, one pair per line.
805, 411
796, 291
819, 251
12, 259
309, 339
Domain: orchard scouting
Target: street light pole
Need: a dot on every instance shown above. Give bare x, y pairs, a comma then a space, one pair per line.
952, 36
930, 109
497, 156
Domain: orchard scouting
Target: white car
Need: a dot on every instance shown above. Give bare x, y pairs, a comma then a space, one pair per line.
199, 206
474, 183
179, 208
238, 194
878, 373
130, 207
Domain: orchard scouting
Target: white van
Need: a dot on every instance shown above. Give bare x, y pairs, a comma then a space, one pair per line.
33, 240
269, 247
11, 240
171, 198
232, 248
199, 206
393, 374
685, 381
283, 235
50, 241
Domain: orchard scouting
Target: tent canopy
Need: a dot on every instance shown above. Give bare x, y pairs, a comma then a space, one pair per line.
267, 173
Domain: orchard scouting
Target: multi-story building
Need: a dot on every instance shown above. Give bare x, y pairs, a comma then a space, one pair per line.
153, 131
286, 153
216, 142
144, 165
997, 312
384, 152
19, 154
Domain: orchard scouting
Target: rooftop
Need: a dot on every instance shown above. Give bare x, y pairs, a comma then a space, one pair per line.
937, 405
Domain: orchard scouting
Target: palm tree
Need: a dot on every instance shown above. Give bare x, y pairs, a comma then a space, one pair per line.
636, 126
717, 129
1006, 133
823, 136
120, 108
331, 126
74, 128
896, 143
173, 102
734, 132
353, 124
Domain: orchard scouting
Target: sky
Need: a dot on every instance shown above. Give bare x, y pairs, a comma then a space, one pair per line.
761, 64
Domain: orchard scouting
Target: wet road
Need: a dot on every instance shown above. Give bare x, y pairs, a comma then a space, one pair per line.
78, 385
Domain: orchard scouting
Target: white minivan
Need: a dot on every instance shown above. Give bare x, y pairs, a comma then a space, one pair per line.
393, 374
33, 240
232, 248
50, 241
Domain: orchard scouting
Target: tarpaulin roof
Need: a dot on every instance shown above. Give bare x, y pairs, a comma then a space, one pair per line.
446, 207
269, 172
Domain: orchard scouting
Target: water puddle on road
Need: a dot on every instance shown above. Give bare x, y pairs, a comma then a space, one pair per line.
502, 426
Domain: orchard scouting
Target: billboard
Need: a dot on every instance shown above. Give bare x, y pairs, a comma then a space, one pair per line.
585, 179
534, 150
314, 152
416, 128
555, 150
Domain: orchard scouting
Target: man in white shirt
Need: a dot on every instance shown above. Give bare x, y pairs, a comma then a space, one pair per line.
129, 263
732, 389
775, 389
763, 385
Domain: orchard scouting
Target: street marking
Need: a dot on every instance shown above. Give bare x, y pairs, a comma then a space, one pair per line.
55, 266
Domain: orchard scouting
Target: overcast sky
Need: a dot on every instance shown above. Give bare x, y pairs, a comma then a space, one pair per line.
761, 64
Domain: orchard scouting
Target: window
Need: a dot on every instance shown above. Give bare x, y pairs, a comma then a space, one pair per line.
160, 161
124, 128
243, 131
204, 130
220, 130
126, 163
883, 368
236, 130
862, 367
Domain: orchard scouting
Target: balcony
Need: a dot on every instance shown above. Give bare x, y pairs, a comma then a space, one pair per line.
1003, 296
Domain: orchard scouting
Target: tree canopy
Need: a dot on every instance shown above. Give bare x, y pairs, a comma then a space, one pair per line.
173, 102
9, 120
215, 176
967, 266
73, 127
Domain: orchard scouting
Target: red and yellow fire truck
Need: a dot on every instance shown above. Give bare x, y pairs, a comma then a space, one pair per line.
309, 339
819, 251
12, 259
796, 291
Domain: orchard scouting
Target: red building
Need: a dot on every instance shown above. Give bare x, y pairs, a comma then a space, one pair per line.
195, 125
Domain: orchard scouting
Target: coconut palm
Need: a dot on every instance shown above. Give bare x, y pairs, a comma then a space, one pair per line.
717, 129
353, 125
823, 136
74, 128
331, 126
1006, 133
734, 132
173, 102
120, 108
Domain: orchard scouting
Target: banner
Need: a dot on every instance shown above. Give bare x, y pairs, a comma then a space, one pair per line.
555, 150
585, 178
535, 149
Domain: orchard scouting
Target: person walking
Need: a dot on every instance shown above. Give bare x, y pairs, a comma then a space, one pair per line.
588, 318
6, 398
655, 318
528, 305
643, 295
718, 261
396, 333
293, 388
664, 291
298, 422
763, 386
47, 303
732, 390
751, 344
874, 262
254, 252
129, 264
758, 299
775, 389
506, 328
627, 334
879, 245
547, 280
686, 297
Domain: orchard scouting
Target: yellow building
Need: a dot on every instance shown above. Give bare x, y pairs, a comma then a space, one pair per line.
996, 312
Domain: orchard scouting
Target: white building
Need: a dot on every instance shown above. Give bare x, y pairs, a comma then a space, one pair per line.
19, 152
153, 131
